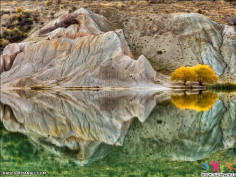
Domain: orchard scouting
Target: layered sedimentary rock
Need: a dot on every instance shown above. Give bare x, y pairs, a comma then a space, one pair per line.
170, 41
75, 51
76, 120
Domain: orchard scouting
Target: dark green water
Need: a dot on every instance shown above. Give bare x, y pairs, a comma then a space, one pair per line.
116, 133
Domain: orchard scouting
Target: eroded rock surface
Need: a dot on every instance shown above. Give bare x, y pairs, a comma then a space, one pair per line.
77, 51
170, 41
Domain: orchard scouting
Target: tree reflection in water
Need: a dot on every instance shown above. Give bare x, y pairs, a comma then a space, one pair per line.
199, 102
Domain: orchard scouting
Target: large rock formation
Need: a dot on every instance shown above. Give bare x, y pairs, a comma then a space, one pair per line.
169, 41
75, 51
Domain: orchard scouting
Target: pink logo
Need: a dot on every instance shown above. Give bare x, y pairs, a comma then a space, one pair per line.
216, 166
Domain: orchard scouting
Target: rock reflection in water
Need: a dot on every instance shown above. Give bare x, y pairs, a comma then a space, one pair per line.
76, 120
199, 102
87, 123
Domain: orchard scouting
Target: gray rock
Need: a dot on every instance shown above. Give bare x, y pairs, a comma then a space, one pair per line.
170, 133
170, 41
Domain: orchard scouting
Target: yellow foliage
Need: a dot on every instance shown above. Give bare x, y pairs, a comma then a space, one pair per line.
26, 12
198, 102
205, 74
4, 42
183, 74
199, 73
120, 6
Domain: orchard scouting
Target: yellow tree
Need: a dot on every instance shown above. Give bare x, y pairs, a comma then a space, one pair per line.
183, 74
205, 74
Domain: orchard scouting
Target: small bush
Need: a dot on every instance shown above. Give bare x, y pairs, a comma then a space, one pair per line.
48, 3
17, 34
133, 2
13, 35
27, 13
73, 8
19, 9
199, 11
120, 6
3, 43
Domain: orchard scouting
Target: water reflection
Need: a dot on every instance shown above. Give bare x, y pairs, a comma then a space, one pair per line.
76, 120
85, 126
199, 102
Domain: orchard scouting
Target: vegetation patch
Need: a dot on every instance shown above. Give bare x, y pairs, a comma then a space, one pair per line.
199, 73
39, 88
228, 86
16, 26
199, 102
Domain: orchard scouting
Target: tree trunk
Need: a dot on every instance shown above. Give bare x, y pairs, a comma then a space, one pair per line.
200, 92
200, 83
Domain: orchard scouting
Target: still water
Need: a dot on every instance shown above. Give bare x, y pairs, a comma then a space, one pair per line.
117, 133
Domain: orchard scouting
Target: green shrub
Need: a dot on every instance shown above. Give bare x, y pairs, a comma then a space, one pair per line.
13, 35
27, 13
48, 3
133, 2
3, 43
19, 9
120, 6
228, 86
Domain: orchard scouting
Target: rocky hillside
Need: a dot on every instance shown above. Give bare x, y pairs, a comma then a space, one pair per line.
19, 19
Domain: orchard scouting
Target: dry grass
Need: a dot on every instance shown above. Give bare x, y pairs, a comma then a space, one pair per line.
217, 11
116, 12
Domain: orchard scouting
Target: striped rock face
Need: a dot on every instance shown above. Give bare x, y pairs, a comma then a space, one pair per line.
76, 50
